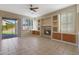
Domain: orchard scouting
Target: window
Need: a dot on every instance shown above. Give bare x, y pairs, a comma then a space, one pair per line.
27, 24
35, 24
67, 23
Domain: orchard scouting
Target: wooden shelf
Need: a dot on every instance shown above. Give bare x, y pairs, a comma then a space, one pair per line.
39, 24
55, 23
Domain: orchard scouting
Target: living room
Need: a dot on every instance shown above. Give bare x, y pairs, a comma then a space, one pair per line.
37, 28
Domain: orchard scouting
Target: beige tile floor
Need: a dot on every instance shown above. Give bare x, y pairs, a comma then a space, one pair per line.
33, 45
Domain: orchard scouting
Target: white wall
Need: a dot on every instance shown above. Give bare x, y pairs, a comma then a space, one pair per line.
77, 25
0, 28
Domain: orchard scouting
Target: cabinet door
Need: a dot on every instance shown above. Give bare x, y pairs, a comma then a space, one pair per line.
57, 36
69, 38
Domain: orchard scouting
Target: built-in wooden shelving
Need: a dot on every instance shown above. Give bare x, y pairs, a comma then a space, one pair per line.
39, 24
55, 23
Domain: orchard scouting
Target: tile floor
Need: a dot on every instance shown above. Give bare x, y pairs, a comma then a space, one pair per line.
33, 45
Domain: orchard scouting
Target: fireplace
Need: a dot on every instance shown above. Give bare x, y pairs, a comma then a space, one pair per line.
46, 31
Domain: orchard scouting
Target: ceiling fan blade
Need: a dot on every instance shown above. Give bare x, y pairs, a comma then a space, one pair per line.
35, 8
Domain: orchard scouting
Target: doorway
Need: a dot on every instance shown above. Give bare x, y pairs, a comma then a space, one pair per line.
8, 28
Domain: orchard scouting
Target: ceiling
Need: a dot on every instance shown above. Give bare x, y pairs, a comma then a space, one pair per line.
23, 9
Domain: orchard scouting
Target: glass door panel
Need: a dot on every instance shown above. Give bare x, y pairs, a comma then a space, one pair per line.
8, 28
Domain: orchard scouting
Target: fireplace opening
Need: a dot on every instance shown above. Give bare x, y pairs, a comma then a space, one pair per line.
47, 32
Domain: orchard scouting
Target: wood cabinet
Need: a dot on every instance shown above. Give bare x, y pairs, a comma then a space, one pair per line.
36, 32
57, 36
69, 38
65, 37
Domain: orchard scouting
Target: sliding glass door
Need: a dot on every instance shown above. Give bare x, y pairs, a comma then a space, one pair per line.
8, 28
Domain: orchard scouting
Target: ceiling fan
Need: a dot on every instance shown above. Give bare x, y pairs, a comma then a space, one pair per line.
33, 8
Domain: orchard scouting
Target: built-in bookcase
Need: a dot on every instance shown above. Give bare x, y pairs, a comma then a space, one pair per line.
56, 34
39, 24
55, 23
